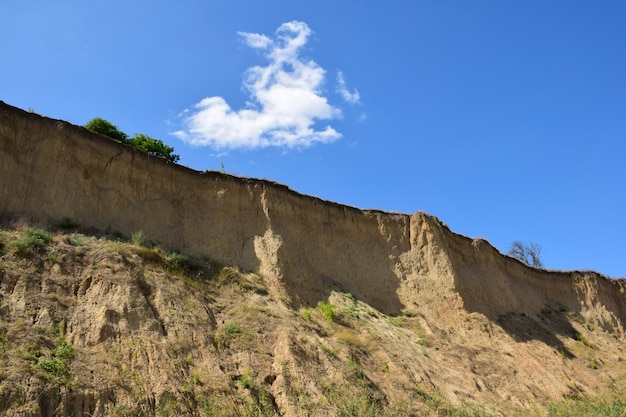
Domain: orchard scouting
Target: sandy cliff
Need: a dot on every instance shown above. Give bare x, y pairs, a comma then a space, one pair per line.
51, 169
303, 248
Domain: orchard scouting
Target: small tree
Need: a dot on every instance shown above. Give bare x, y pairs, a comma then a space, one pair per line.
529, 254
106, 128
154, 147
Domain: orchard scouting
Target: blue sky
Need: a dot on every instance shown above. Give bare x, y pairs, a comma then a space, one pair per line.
507, 120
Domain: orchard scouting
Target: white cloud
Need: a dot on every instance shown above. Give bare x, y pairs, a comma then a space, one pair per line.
286, 100
352, 98
255, 40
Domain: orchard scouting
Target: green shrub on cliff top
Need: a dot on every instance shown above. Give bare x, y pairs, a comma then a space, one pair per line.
106, 128
142, 142
153, 147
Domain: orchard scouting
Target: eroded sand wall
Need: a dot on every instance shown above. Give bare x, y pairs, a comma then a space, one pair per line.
302, 245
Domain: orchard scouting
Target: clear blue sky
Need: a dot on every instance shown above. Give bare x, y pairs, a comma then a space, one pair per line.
507, 120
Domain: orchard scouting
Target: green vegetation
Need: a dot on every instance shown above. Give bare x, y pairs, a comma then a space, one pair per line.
443, 407
327, 310
153, 147
222, 337
247, 379
231, 328
178, 263
140, 141
582, 339
63, 351
599, 407
395, 321
106, 128
358, 401
196, 379
139, 238
52, 366
53, 258
306, 313
34, 238
174, 261
77, 240
352, 310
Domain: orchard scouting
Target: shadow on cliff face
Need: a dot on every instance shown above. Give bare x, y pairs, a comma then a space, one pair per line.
311, 248
310, 291
523, 328
527, 303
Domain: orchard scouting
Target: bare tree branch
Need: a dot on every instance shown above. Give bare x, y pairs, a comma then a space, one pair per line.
529, 254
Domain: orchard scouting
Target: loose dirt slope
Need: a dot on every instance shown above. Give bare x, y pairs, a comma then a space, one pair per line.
322, 309
93, 326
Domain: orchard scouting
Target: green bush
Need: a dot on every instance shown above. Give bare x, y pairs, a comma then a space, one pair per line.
63, 351
141, 141
53, 366
179, 263
327, 310
231, 328
34, 238
153, 147
140, 239
106, 128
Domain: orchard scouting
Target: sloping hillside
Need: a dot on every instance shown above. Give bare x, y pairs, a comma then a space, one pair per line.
291, 306
90, 325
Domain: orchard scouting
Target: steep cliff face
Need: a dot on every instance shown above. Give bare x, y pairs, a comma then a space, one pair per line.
51, 169
305, 250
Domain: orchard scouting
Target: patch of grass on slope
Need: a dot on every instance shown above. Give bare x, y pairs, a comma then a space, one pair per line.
599, 407
34, 238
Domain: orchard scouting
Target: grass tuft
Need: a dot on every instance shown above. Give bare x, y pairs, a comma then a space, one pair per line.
327, 310
585, 407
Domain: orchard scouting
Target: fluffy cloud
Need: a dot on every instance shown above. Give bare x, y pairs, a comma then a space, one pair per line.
286, 101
